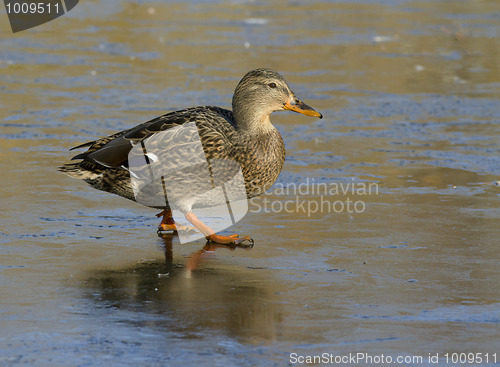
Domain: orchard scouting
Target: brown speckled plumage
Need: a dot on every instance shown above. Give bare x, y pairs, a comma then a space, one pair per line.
245, 135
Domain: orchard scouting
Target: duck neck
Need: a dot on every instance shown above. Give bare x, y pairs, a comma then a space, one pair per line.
249, 121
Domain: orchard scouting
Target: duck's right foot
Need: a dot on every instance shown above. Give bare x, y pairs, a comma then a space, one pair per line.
231, 240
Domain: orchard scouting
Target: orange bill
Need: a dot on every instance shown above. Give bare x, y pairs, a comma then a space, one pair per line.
296, 105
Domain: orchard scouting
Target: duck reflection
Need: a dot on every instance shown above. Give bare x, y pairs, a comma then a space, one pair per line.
192, 299
197, 257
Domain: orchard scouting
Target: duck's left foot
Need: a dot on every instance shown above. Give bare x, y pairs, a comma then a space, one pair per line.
163, 227
167, 221
169, 225
231, 240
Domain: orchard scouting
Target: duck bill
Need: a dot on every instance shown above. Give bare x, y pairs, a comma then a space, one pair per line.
296, 105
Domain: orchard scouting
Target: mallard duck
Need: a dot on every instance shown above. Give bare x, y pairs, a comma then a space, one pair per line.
244, 135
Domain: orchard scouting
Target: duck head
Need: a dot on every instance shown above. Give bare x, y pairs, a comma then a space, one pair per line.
260, 93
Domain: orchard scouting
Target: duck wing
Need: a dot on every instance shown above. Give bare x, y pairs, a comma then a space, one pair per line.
112, 151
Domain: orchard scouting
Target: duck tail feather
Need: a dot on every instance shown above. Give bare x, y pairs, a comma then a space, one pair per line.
76, 171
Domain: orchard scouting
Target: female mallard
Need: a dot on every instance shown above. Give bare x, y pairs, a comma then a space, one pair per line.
242, 143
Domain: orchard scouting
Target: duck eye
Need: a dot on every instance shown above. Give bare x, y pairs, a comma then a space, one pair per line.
272, 85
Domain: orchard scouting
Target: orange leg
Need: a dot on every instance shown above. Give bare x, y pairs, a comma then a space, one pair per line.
168, 224
211, 236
